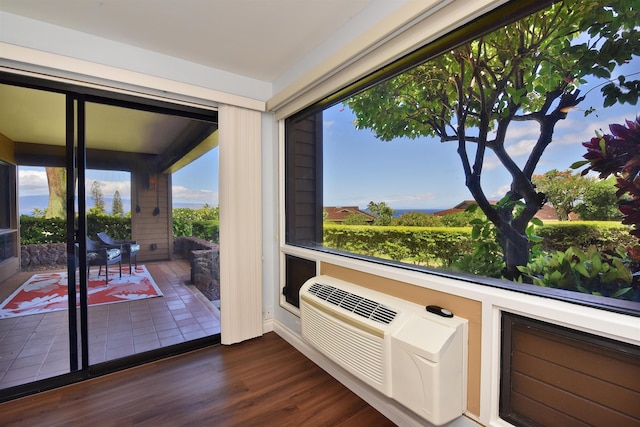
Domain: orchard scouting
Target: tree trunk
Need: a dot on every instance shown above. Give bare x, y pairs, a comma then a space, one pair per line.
56, 180
516, 253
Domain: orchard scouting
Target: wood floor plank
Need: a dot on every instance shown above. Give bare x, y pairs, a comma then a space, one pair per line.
261, 382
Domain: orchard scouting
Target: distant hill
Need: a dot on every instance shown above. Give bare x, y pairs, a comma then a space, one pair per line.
29, 203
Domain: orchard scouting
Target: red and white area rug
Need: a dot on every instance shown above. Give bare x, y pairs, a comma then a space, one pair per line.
47, 292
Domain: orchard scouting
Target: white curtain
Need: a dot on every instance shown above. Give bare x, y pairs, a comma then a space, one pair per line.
240, 201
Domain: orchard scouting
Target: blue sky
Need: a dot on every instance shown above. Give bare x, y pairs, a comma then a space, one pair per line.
427, 174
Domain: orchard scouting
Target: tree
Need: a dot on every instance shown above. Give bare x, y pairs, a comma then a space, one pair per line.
599, 202
529, 70
56, 181
355, 219
563, 190
417, 219
116, 206
98, 202
382, 212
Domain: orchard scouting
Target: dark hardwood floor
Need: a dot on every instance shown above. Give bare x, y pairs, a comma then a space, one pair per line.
261, 382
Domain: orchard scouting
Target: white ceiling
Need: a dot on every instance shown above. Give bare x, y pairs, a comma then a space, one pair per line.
260, 39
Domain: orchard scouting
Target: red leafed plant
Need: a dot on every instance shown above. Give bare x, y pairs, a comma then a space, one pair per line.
618, 154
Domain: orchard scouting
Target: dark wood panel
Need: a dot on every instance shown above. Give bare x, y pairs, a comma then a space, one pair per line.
579, 384
303, 168
545, 415
588, 411
550, 372
606, 364
262, 382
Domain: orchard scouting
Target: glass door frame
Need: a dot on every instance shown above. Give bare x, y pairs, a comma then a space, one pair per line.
75, 165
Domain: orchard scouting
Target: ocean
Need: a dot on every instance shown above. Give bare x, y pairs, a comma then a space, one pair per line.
398, 212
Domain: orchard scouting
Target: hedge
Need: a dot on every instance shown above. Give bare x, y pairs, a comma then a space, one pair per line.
39, 230
604, 235
424, 245
440, 246
207, 230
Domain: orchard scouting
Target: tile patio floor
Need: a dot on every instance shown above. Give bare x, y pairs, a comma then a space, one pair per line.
36, 346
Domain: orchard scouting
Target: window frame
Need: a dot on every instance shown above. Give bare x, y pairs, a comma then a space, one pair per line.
498, 16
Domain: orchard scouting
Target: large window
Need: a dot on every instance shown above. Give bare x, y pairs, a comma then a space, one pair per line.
465, 158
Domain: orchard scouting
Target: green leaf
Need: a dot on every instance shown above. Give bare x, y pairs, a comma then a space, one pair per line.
620, 292
537, 221
579, 164
580, 268
555, 277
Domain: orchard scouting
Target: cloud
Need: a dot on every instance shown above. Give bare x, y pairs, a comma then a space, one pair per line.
109, 188
491, 162
568, 133
519, 130
185, 195
521, 148
32, 182
500, 192
408, 200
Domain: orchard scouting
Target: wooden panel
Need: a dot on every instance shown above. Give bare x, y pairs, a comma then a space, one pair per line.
7, 150
545, 414
147, 227
303, 170
463, 307
554, 376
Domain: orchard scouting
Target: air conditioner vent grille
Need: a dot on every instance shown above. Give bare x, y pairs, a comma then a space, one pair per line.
356, 304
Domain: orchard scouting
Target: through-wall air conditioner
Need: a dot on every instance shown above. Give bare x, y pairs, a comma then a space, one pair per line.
399, 348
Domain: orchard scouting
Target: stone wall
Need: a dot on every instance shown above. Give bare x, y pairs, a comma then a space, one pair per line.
50, 256
204, 257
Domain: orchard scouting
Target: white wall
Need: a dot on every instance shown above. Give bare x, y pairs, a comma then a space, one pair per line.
20, 31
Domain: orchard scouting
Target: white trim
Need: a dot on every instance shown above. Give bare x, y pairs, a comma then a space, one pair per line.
25, 61
413, 25
267, 325
609, 324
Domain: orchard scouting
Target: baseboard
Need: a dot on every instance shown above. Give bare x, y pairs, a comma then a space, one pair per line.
267, 326
388, 407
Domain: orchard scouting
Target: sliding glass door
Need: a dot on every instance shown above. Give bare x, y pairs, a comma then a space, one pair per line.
97, 278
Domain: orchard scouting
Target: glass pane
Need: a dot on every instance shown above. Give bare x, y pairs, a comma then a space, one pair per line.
34, 339
467, 163
148, 300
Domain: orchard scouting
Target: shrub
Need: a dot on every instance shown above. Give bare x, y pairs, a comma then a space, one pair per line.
461, 219
207, 230
183, 219
604, 235
589, 271
40, 230
118, 228
416, 219
424, 245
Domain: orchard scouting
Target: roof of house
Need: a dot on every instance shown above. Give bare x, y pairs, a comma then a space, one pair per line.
339, 213
546, 213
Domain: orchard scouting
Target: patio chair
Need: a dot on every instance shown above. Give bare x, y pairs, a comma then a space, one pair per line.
129, 248
100, 255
